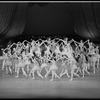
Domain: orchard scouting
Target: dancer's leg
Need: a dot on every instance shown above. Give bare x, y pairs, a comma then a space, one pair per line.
62, 73
76, 74
78, 70
27, 68
83, 73
3, 65
72, 72
56, 76
24, 73
33, 74
17, 72
30, 72
93, 67
39, 74
46, 69
53, 75
87, 70
66, 71
16, 67
46, 75
6, 69
10, 69
98, 63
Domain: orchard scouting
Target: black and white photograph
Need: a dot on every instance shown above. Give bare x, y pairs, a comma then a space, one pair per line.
49, 49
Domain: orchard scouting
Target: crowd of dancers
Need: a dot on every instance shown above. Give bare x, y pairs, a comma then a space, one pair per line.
77, 58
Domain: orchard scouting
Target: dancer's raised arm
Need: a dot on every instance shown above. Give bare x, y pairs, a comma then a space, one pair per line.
86, 41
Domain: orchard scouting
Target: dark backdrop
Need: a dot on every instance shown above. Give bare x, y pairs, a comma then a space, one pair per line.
19, 21
51, 19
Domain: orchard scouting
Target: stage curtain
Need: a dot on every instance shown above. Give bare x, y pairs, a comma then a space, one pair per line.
12, 19
86, 19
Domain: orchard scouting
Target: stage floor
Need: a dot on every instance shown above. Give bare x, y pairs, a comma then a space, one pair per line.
22, 87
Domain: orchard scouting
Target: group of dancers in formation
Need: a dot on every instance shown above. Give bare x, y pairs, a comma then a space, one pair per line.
77, 58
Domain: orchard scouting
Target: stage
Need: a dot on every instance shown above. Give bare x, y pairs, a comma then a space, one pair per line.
22, 87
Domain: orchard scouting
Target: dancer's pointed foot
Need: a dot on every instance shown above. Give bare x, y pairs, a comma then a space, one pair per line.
51, 80
30, 75
33, 78
45, 76
82, 76
71, 79
25, 75
16, 76
60, 75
